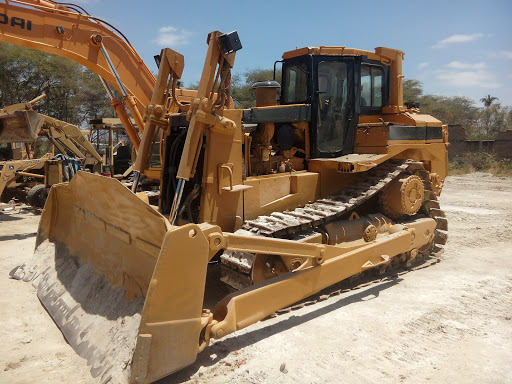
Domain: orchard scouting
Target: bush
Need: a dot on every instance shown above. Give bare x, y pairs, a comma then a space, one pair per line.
504, 167
480, 162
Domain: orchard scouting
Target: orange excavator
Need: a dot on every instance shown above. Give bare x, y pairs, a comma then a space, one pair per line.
259, 208
68, 31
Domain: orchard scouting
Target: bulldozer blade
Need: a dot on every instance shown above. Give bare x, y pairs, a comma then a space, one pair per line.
171, 324
20, 126
125, 288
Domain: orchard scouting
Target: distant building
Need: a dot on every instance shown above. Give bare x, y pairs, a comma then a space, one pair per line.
501, 147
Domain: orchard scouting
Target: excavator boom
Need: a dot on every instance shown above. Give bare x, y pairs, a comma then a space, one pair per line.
64, 32
50, 27
68, 31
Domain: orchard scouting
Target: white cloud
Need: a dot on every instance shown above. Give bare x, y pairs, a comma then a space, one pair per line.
423, 65
506, 54
458, 38
468, 79
172, 37
462, 65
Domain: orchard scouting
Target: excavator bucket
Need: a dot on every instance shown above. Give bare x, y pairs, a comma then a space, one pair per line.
19, 126
124, 286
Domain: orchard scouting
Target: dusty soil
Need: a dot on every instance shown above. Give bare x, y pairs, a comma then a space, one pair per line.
32, 347
449, 323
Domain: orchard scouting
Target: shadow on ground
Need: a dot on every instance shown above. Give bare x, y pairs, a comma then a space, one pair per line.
223, 348
18, 236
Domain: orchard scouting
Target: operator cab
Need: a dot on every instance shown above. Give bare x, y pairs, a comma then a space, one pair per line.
340, 85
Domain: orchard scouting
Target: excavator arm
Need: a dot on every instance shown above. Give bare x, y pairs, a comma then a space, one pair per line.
20, 123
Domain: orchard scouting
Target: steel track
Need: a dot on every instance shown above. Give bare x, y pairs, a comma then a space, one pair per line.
290, 224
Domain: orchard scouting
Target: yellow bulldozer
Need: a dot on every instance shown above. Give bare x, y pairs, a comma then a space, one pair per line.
259, 208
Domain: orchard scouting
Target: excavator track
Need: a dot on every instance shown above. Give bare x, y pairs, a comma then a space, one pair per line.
296, 223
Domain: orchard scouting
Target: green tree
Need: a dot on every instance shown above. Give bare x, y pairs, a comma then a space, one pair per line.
92, 100
451, 110
488, 100
492, 120
241, 89
73, 93
413, 90
480, 123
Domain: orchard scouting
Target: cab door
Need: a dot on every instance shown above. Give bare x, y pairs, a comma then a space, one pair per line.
333, 106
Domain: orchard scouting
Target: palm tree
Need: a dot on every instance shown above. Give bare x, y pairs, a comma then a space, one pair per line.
488, 100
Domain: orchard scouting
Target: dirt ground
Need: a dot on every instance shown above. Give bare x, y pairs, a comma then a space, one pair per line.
449, 323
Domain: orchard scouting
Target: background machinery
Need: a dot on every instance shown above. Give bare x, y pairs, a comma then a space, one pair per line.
22, 170
279, 201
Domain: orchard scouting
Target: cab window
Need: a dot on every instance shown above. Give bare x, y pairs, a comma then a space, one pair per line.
295, 88
371, 86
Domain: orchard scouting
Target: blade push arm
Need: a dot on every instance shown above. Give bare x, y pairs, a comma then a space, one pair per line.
174, 301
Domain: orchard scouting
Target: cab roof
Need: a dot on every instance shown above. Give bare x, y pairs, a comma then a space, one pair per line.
385, 55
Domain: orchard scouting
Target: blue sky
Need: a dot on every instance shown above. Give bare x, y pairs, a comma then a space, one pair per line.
455, 48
